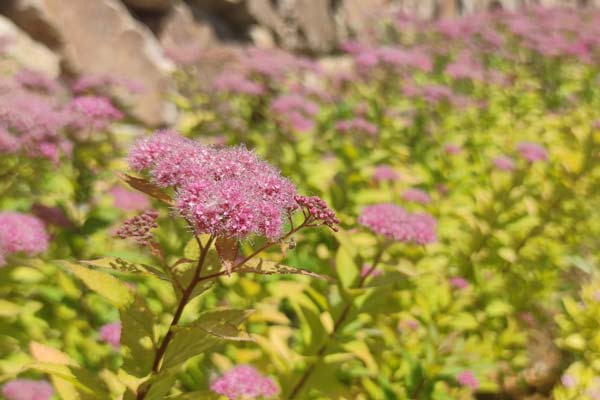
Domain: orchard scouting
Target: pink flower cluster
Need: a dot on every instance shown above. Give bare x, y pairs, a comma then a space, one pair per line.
31, 123
468, 379
367, 57
504, 163
37, 81
458, 282
244, 382
95, 112
317, 211
111, 334
27, 389
416, 196
237, 83
385, 173
226, 192
396, 223
21, 233
297, 110
532, 152
128, 200
359, 125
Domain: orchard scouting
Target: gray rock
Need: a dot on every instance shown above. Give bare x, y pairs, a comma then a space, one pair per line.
149, 5
100, 37
26, 52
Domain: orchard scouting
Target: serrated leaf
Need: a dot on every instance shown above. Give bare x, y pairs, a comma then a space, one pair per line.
498, 308
104, 284
361, 350
160, 385
121, 265
208, 330
346, 268
266, 267
137, 336
146, 187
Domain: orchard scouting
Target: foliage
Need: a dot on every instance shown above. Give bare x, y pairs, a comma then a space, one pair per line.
460, 157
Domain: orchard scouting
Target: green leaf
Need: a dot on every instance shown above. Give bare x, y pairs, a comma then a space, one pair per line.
362, 352
70, 380
266, 267
208, 330
121, 265
464, 321
346, 268
198, 395
498, 308
137, 337
104, 284
8, 309
160, 385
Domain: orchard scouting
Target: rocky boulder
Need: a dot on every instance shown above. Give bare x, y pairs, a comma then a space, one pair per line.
100, 37
26, 52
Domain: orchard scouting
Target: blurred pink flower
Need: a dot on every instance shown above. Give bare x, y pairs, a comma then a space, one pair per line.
467, 378
95, 112
385, 173
22, 233
244, 382
395, 223
458, 283
36, 80
532, 152
27, 389
236, 82
504, 163
359, 125
128, 200
451, 148
416, 196
111, 334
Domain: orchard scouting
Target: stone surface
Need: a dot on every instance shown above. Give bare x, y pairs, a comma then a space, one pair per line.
180, 29
26, 52
149, 5
100, 37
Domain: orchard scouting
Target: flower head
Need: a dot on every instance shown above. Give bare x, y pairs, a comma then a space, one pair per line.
451, 148
359, 125
227, 192
237, 83
467, 378
111, 334
138, 228
244, 382
128, 200
35, 80
318, 211
504, 163
22, 233
458, 283
416, 196
27, 389
532, 152
396, 223
385, 173
96, 112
